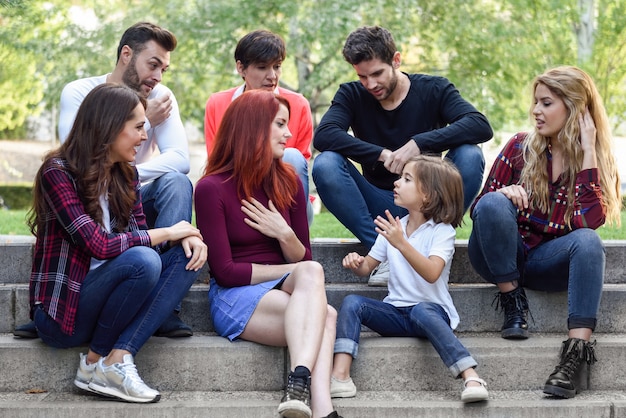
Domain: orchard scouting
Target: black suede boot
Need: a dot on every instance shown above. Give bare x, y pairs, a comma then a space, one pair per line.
515, 307
563, 382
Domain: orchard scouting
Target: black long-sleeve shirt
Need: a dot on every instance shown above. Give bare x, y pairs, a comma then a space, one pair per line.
433, 114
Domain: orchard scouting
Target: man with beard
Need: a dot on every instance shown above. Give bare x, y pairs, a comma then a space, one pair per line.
393, 116
143, 55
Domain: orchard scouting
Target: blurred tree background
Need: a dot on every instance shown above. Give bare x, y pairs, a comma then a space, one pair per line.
489, 49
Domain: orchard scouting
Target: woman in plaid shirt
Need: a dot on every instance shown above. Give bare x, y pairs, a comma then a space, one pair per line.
99, 276
534, 222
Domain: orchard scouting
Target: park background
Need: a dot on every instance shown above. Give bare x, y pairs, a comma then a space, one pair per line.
491, 50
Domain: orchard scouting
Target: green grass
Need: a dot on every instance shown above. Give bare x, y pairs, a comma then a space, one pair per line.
325, 225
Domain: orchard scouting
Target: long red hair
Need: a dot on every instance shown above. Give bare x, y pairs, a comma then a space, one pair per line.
242, 146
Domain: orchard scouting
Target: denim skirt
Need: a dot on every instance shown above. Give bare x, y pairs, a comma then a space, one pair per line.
232, 307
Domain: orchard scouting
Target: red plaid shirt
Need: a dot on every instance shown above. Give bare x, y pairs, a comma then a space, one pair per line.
68, 240
534, 225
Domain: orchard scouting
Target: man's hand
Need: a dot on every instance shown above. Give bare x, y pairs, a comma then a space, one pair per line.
397, 159
159, 109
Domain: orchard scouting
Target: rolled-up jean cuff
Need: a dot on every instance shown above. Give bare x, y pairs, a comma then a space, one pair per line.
574, 323
460, 366
346, 345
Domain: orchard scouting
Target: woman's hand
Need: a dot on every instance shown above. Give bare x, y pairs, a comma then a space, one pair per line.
516, 194
390, 228
588, 140
267, 221
182, 229
196, 250
587, 131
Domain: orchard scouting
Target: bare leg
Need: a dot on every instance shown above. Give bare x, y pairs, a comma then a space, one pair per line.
298, 316
341, 366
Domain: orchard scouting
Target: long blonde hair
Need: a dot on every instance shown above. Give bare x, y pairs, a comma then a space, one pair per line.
578, 91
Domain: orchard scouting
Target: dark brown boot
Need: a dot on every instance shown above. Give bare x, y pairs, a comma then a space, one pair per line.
563, 382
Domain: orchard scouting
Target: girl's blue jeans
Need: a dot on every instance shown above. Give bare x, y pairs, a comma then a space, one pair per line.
123, 301
573, 262
424, 320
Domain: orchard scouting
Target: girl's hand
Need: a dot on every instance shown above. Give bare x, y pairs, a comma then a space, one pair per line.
352, 261
267, 221
587, 131
516, 194
390, 228
196, 250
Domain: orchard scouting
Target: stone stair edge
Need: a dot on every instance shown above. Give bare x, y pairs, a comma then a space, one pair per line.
371, 404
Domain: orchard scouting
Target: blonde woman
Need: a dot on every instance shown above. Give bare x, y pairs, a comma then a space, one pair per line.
534, 221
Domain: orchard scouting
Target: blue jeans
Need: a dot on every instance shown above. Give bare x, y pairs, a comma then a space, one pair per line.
167, 200
355, 202
573, 262
424, 320
294, 157
123, 301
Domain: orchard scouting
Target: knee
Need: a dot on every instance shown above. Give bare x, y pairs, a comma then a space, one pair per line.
313, 272
350, 303
148, 261
589, 243
491, 203
176, 181
324, 164
294, 157
468, 158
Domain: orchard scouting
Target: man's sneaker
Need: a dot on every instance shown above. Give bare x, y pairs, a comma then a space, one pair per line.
84, 373
342, 388
296, 402
173, 327
122, 381
379, 277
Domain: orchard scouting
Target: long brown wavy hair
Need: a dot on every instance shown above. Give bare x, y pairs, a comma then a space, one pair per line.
100, 119
242, 146
578, 91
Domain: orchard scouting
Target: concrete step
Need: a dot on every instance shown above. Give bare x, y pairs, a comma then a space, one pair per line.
16, 254
473, 302
210, 363
405, 404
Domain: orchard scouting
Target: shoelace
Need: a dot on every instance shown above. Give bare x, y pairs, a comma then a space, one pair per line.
297, 388
130, 371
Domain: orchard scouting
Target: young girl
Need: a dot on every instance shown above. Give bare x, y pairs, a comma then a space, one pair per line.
534, 221
419, 249
100, 276
265, 288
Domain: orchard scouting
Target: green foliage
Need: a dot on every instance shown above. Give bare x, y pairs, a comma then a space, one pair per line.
490, 49
16, 196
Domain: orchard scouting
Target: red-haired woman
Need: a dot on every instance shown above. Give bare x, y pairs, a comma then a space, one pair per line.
251, 210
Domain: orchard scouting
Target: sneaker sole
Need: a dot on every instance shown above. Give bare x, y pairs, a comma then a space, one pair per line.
294, 409
343, 394
103, 390
83, 385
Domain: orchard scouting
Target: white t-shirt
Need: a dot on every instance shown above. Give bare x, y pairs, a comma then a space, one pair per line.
166, 149
406, 287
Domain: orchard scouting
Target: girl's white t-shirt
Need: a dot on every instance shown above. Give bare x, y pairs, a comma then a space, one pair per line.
406, 287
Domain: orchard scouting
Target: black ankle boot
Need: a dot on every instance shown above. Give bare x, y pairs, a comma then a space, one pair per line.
515, 307
563, 382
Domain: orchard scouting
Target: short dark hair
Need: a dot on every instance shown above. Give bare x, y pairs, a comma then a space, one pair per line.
368, 43
260, 46
138, 35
